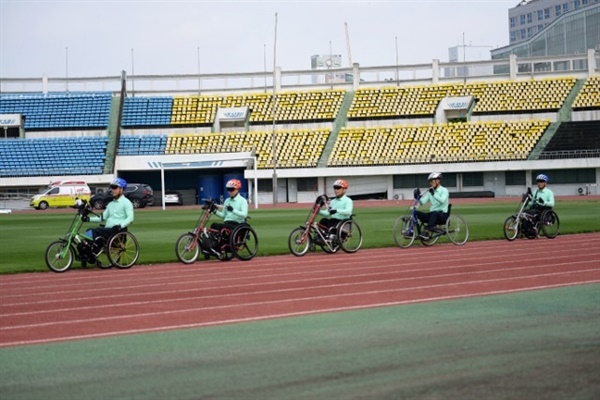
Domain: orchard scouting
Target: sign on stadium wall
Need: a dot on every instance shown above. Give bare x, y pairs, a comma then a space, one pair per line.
457, 103
232, 114
10, 120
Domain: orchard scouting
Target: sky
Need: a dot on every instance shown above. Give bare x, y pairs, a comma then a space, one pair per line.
88, 38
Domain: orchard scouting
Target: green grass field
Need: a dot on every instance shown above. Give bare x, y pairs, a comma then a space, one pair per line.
25, 236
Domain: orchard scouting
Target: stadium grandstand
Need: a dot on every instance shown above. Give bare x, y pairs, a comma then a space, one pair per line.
384, 130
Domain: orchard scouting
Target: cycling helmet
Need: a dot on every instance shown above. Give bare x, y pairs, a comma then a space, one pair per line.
342, 183
434, 175
119, 182
233, 184
542, 177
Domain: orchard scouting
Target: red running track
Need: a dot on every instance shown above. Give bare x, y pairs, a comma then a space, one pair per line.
83, 304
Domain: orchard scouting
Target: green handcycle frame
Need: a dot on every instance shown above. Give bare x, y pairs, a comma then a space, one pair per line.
120, 250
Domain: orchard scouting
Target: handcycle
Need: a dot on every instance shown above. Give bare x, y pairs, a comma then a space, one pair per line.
240, 241
408, 227
121, 249
346, 235
530, 225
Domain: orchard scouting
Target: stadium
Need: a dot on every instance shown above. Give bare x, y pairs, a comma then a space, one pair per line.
488, 126
498, 319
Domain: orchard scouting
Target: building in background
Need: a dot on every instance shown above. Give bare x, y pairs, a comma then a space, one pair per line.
532, 16
464, 53
572, 27
324, 62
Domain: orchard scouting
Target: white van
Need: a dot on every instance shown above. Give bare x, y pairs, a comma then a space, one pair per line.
61, 194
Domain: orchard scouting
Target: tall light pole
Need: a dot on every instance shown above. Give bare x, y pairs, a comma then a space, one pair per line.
274, 117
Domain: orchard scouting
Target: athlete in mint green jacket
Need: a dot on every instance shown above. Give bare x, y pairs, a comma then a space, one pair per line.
439, 198
542, 199
118, 213
234, 210
340, 207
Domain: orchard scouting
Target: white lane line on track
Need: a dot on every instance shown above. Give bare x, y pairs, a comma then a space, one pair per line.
265, 280
113, 303
283, 315
372, 263
298, 299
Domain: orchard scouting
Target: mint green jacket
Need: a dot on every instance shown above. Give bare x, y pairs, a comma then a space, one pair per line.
546, 195
118, 212
439, 200
240, 209
343, 206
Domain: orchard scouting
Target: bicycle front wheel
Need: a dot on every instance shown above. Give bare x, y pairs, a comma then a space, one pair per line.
511, 228
404, 232
59, 258
187, 248
350, 236
457, 229
123, 250
298, 242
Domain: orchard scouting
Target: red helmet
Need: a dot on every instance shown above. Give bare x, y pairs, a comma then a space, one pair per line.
342, 183
233, 184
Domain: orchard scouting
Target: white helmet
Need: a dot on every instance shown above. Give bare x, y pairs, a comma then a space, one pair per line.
434, 175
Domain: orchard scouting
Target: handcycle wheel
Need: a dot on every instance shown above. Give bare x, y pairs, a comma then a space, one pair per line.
404, 233
550, 223
123, 250
457, 229
298, 242
244, 242
57, 262
511, 228
187, 248
349, 236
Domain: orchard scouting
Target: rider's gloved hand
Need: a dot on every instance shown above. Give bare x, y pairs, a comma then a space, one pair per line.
529, 191
524, 197
85, 218
229, 208
417, 193
332, 211
116, 228
540, 201
432, 191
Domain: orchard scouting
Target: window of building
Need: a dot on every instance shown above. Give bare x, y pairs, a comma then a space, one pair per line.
565, 7
540, 27
472, 179
307, 184
529, 32
513, 36
585, 2
522, 18
523, 34
265, 185
513, 22
515, 178
540, 15
420, 181
576, 4
529, 18
546, 13
557, 11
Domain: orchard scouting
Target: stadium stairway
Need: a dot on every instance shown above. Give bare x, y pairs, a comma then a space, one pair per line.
563, 115
338, 124
116, 108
